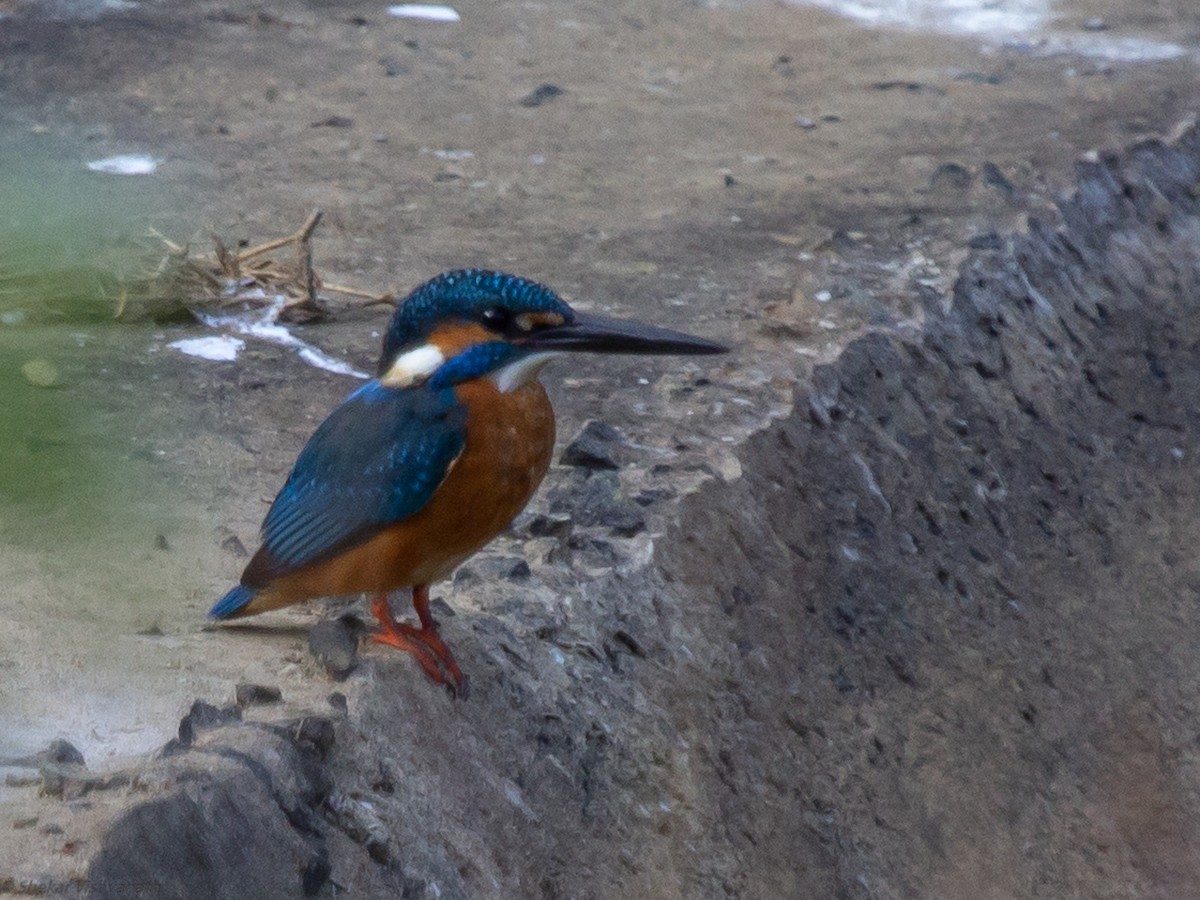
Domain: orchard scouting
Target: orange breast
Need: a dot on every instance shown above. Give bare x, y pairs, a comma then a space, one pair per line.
509, 441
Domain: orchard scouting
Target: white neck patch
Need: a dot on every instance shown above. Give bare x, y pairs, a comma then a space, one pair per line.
413, 367
520, 372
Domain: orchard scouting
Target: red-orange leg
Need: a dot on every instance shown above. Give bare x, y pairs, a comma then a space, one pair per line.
433, 640
404, 637
423, 643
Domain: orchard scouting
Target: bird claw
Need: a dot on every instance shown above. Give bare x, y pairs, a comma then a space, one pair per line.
425, 645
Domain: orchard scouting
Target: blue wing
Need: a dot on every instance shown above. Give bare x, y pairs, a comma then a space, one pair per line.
375, 461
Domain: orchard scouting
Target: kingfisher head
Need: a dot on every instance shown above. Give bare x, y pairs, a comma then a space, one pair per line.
472, 323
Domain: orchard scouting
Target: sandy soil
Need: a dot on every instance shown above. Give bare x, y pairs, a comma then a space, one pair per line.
771, 175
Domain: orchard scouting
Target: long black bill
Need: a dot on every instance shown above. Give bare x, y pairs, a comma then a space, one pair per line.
600, 334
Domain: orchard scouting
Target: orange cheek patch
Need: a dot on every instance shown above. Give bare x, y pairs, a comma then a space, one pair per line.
454, 337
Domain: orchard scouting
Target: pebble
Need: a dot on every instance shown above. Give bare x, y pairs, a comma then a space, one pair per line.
317, 731
41, 373
596, 501
203, 716
993, 177
951, 175
555, 525
233, 544
334, 646
595, 447
541, 94
63, 751
247, 694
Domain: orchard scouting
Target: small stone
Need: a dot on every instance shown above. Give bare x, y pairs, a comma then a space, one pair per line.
203, 716
160, 542
233, 544
805, 123
596, 500
1096, 23
318, 732
912, 87
842, 681
334, 122
489, 569
334, 646
337, 701
594, 447
629, 642
993, 177
730, 181
541, 94
623, 521
70, 781
63, 752
41, 373
951, 175
247, 694
555, 525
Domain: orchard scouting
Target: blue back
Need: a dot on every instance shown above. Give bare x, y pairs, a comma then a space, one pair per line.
464, 294
374, 462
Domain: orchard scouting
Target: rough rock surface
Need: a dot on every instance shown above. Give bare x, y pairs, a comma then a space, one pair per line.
855, 671
239, 810
960, 614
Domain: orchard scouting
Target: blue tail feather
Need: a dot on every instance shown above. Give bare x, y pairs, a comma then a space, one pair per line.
231, 603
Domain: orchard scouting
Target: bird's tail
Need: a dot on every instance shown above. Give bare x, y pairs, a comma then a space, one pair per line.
233, 603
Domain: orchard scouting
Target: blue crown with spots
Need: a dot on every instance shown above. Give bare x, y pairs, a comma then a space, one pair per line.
464, 294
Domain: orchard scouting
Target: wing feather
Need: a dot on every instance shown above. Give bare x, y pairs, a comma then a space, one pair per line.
374, 462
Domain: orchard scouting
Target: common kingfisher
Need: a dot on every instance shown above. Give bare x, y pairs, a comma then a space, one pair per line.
423, 465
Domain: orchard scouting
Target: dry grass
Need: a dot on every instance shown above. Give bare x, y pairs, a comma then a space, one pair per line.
176, 280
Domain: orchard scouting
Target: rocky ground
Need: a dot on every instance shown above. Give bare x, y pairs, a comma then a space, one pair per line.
911, 623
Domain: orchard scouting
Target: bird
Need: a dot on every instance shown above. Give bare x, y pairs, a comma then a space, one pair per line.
424, 464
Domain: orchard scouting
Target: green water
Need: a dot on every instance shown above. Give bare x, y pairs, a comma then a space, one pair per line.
65, 238
99, 539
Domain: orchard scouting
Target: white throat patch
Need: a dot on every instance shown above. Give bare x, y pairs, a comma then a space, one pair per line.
413, 367
519, 373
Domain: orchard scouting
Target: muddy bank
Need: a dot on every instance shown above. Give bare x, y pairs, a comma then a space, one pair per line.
767, 174
884, 659
934, 640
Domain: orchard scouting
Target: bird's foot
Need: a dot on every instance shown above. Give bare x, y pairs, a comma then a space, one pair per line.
424, 643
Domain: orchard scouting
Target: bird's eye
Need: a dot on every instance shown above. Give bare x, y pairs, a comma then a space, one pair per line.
496, 318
